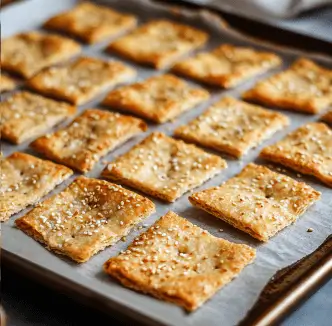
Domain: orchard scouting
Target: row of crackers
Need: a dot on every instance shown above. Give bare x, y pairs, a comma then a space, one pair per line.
91, 214
304, 87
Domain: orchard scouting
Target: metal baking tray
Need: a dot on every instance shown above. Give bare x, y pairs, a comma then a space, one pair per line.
87, 281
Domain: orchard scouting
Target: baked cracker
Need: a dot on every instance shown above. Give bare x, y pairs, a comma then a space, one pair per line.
88, 138
164, 167
179, 262
257, 201
25, 179
232, 126
85, 218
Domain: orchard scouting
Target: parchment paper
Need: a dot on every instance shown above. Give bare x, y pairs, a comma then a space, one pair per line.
231, 303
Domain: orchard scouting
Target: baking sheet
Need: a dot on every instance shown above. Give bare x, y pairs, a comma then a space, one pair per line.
231, 303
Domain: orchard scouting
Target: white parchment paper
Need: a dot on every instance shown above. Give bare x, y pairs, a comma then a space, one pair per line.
231, 303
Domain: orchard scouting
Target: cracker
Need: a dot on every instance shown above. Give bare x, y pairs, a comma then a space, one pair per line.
232, 126
88, 138
25, 179
91, 23
179, 262
327, 117
85, 218
82, 80
26, 115
7, 83
164, 167
227, 65
257, 201
159, 43
304, 87
159, 98
28, 53
307, 150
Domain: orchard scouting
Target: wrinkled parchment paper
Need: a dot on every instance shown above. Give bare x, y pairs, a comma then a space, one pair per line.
231, 303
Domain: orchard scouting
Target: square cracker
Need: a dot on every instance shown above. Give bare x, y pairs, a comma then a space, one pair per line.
6, 83
26, 115
159, 43
164, 167
91, 23
28, 53
227, 65
304, 87
232, 126
88, 138
327, 117
307, 150
179, 262
159, 98
85, 218
82, 80
25, 179
257, 201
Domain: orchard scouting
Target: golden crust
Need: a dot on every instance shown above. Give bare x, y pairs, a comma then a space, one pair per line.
26, 115
159, 43
80, 81
232, 126
91, 23
28, 53
257, 201
159, 98
88, 138
7, 83
179, 262
307, 150
86, 217
25, 179
227, 65
327, 117
164, 167
304, 87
